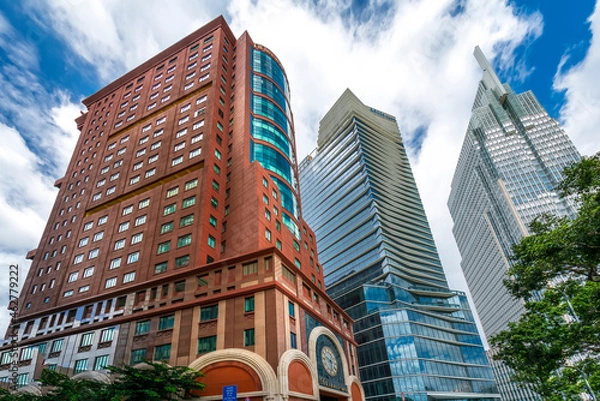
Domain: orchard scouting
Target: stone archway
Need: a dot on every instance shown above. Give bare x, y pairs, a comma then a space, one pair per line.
297, 376
253, 376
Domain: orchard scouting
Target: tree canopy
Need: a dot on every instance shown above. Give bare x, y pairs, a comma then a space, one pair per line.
153, 382
555, 344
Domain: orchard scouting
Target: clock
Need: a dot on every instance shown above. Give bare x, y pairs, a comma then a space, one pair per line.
329, 361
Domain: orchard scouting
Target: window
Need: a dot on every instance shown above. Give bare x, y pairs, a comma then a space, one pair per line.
101, 362
94, 253
152, 159
191, 184
57, 345
80, 366
162, 352
160, 267
88, 225
293, 343
84, 241
142, 327
180, 286
128, 277
187, 202
155, 145
214, 202
137, 238
124, 226
144, 203
288, 274
267, 214
181, 133
27, 353
115, 263
212, 220
133, 257
207, 344
88, 272
120, 244
166, 322
267, 234
127, 210
179, 146
197, 125
177, 160
140, 220
217, 169
166, 227
249, 304
107, 335
188, 220
250, 268
195, 152
182, 261
86, 339
161, 120
248, 337
169, 209
211, 241
111, 282
78, 259
209, 312
184, 240
163, 247
138, 355
297, 263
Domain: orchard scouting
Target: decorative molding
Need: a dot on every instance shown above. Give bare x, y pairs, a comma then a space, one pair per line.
285, 361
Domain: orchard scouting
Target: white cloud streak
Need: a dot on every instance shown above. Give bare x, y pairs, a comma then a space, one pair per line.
580, 114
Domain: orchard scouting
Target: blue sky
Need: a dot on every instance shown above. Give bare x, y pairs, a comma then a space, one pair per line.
412, 59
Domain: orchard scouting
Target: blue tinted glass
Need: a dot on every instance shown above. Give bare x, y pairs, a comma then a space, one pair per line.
266, 108
263, 63
272, 160
264, 130
266, 87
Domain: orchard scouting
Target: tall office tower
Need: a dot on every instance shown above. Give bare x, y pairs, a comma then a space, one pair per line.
417, 338
177, 235
510, 163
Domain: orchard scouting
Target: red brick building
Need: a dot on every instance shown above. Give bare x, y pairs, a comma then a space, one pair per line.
177, 235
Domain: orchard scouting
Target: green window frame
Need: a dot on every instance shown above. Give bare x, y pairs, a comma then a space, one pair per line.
207, 344
249, 304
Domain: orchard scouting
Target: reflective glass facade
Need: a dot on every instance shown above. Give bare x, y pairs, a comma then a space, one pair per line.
510, 162
272, 133
417, 338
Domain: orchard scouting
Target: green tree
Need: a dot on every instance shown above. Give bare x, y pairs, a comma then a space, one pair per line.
154, 382
555, 346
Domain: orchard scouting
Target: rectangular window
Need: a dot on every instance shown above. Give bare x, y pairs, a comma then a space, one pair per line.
88, 272
111, 282
248, 337
249, 304
101, 362
142, 327
197, 125
187, 202
250, 268
188, 220
87, 339
129, 277
287, 273
160, 267
115, 263
120, 244
133, 257
166, 227
209, 313
57, 345
184, 240
293, 340
144, 203
127, 210
80, 366
291, 309
138, 356
195, 152
166, 322
163, 247
107, 335
162, 352
207, 344
93, 253
211, 241
140, 220
169, 209
137, 238
177, 160
182, 261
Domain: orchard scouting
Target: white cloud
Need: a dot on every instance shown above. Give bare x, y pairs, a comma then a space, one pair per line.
579, 115
36, 146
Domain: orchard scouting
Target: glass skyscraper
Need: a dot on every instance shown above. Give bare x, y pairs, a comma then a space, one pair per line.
509, 166
417, 339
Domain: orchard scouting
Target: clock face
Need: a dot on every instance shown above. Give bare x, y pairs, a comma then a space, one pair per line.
329, 361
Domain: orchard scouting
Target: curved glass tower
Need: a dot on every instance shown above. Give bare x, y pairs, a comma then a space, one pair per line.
417, 338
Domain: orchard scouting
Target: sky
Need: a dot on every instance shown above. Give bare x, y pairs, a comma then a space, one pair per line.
409, 58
